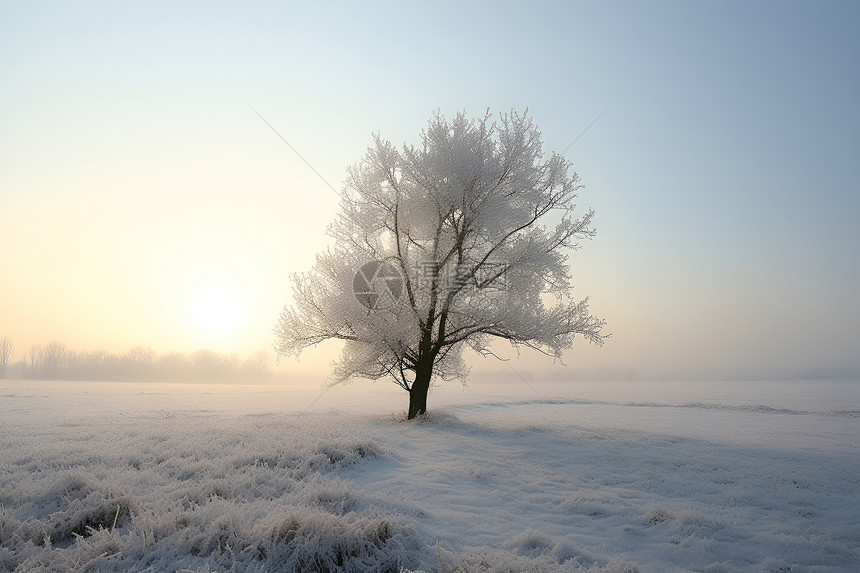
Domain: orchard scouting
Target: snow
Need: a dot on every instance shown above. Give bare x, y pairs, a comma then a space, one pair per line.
508, 476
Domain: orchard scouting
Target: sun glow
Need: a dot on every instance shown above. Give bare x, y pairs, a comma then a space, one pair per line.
217, 308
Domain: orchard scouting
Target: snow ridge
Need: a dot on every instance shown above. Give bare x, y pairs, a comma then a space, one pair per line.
757, 408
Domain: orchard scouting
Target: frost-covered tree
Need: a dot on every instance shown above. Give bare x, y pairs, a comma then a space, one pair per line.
444, 246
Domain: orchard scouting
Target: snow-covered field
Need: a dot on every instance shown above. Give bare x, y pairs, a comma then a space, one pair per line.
515, 476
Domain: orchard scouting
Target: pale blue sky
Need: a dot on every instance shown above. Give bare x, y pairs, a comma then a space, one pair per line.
134, 174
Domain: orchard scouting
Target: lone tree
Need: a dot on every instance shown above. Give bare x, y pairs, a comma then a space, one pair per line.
447, 245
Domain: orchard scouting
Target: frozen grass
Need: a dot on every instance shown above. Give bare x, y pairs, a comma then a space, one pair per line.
492, 486
232, 494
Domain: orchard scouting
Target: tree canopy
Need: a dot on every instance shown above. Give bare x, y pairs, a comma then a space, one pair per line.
444, 246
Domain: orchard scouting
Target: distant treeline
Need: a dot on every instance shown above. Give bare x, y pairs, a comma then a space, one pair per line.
55, 361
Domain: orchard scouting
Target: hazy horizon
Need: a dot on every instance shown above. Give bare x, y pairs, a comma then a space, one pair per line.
143, 202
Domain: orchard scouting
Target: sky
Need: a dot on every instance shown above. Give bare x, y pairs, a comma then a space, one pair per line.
144, 202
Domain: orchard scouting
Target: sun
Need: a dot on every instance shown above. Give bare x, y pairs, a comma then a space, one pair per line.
217, 308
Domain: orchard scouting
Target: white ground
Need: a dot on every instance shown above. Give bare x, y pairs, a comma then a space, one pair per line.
524, 477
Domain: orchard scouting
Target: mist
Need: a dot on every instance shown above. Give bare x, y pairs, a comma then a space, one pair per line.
56, 361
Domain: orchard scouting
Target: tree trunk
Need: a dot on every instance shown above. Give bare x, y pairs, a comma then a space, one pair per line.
418, 393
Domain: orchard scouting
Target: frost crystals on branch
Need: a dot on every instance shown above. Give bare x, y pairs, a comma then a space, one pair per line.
442, 246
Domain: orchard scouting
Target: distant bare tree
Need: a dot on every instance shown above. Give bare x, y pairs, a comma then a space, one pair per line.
138, 363
54, 358
7, 352
175, 366
33, 355
211, 366
257, 365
